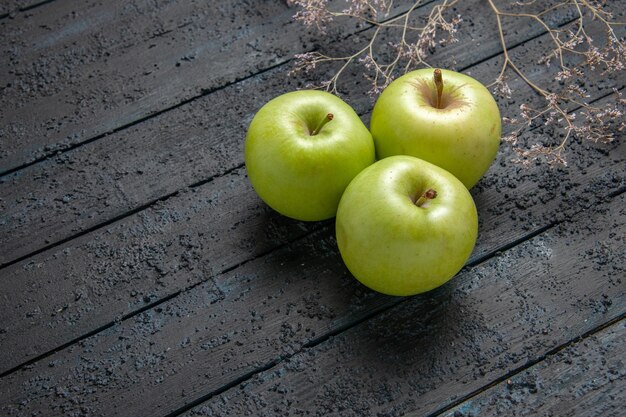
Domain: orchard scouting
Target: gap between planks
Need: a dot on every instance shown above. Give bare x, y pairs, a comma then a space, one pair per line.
26, 8
140, 120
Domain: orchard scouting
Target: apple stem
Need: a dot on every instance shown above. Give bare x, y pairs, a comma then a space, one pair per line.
325, 120
428, 195
439, 83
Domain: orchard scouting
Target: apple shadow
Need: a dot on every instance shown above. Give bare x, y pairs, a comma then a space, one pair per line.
424, 335
413, 322
427, 326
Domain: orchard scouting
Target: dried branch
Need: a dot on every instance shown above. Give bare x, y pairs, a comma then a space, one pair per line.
572, 53
599, 121
407, 55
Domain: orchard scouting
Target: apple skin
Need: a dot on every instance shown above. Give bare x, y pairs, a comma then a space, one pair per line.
395, 247
462, 137
300, 175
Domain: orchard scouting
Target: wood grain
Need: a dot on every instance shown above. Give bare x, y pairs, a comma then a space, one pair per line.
585, 379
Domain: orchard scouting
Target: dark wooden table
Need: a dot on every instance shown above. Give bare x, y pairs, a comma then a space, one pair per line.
141, 275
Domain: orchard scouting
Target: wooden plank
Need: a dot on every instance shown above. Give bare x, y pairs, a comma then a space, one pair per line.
94, 280
51, 283
66, 83
419, 356
109, 177
585, 379
77, 71
487, 321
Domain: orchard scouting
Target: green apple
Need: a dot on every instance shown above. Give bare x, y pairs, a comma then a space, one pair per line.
405, 226
450, 120
302, 150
